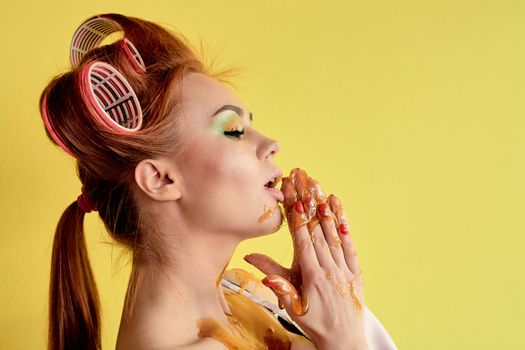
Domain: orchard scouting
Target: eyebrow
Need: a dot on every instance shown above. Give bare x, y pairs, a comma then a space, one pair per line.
236, 109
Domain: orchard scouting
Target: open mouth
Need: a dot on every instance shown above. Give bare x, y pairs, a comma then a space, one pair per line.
271, 186
273, 182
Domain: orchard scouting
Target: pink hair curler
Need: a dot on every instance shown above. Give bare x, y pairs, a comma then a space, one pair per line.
133, 55
110, 98
107, 94
91, 33
50, 129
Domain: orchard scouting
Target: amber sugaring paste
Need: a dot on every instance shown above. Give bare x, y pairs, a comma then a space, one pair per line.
267, 213
249, 327
283, 287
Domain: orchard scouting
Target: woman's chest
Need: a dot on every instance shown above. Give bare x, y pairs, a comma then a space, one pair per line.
250, 326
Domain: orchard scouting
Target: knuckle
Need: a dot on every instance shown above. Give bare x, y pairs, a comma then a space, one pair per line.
348, 275
318, 278
318, 238
302, 245
347, 244
313, 225
334, 245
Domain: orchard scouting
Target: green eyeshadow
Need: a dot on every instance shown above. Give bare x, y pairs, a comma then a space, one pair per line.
226, 121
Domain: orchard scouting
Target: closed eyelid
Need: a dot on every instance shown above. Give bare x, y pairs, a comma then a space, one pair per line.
227, 121
232, 124
236, 110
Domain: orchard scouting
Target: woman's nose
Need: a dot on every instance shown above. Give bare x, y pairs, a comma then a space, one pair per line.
269, 149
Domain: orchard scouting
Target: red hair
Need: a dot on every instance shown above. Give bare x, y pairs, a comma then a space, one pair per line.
106, 161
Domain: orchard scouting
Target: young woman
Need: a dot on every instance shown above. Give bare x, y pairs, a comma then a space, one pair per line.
167, 155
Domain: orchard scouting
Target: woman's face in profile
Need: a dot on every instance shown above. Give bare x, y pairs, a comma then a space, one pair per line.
226, 163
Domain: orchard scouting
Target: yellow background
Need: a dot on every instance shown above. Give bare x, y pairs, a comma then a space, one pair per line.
413, 112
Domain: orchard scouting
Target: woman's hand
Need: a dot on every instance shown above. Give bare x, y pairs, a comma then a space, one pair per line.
323, 289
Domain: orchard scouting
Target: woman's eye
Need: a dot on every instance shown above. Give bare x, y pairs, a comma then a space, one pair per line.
234, 133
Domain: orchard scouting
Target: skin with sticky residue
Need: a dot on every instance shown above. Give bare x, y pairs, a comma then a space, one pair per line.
311, 194
268, 211
305, 196
246, 279
355, 298
322, 290
249, 327
285, 288
340, 216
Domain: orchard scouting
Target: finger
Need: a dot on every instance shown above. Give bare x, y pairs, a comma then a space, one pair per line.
303, 193
287, 295
316, 190
302, 242
312, 194
326, 219
266, 265
322, 251
290, 196
349, 251
302, 246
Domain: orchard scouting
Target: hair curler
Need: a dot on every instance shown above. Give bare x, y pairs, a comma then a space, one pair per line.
110, 98
50, 129
107, 94
91, 33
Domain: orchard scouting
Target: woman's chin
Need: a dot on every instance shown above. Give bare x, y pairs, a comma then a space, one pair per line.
271, 219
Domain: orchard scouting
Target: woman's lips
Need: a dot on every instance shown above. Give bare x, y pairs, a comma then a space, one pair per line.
276, 193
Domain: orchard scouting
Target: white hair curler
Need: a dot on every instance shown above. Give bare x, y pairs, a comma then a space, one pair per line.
92, 32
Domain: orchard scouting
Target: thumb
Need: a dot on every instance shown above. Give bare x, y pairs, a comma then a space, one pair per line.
287, 294
266, 264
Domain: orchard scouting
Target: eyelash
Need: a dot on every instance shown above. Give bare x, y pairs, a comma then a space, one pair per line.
234, 133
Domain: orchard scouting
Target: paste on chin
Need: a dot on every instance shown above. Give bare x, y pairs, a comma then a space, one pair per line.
268, 212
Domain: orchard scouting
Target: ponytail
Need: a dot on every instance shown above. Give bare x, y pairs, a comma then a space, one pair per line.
74, 321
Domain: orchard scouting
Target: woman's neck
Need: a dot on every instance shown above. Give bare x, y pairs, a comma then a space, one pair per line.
170, 299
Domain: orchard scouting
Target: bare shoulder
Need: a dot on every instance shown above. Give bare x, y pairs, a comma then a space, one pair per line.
297, 343
199, 344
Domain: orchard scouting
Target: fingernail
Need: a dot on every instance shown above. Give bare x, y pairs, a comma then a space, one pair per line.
269, 283
343, 229
299, 207
323, 210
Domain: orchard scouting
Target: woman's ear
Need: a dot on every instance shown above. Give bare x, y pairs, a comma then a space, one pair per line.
158, 179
